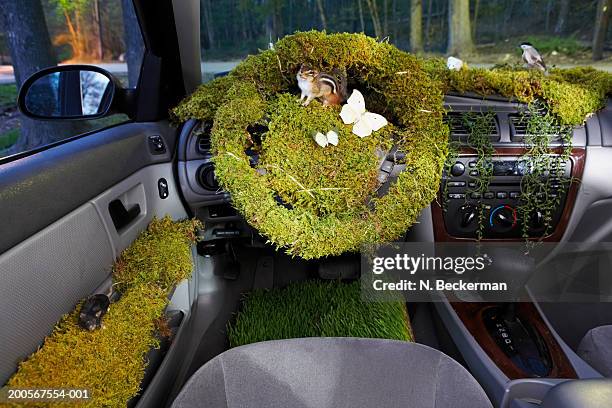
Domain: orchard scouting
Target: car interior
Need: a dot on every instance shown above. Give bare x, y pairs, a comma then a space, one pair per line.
71, 208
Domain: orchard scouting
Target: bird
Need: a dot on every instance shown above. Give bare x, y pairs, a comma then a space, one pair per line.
532, 57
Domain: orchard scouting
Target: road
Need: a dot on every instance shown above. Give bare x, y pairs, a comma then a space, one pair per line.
213, 67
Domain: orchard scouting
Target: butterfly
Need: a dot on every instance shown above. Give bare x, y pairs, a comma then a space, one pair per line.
331, 138
364, 122
454, 64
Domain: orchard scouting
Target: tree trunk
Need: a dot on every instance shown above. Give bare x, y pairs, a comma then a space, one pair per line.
548, 11
361, 19
97, 26
322, 14
601, 28
475, 19
459, 32
394, 22
428, 22
30, 47
208, 25
134, 48
385, 29
74, 37
375, 18
416, 26
561, 19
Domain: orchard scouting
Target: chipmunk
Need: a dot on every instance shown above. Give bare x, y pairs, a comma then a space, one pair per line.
94, 308
331, 89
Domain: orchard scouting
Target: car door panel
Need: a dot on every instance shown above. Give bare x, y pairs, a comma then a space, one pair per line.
37, 190
57, 224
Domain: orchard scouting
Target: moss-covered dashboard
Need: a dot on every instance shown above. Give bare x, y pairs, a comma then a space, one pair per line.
313, 202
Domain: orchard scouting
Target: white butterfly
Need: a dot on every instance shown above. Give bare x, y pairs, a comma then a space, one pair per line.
331, 138
364, 122
454, 64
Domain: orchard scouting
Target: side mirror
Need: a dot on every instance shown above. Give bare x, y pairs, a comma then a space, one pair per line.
68, 92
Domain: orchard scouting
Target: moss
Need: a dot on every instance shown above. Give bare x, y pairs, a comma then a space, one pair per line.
161, 255
332, 205
570, 94
315, 309
110, 362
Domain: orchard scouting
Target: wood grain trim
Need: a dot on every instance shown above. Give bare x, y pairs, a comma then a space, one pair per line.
471, 314
577, 157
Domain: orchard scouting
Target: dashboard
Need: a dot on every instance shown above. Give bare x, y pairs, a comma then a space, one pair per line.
591, 153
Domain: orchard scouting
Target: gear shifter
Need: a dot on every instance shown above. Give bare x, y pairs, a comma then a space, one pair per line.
513, 332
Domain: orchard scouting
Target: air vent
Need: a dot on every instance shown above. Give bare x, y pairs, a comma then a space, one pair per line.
206, 177
203, 144
460, 130
203, 138
519, 124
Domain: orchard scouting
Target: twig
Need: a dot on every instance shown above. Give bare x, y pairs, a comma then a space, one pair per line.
293, 179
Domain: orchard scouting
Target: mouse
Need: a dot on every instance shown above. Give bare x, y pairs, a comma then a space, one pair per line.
93, 310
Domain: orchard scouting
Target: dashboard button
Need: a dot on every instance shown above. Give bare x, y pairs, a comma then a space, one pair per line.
474, 173
489, 195
456, 196
476, 195
502, 194
514, 195
472, 164
456, 184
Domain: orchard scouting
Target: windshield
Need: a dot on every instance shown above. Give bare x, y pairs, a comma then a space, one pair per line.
482, 32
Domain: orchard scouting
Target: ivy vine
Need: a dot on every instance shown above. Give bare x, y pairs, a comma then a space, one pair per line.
543, 186
479, 128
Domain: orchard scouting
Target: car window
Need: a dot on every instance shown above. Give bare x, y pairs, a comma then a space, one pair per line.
93, 32
482, 32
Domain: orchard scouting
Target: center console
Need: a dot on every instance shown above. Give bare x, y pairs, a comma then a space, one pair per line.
504, 343
462, 202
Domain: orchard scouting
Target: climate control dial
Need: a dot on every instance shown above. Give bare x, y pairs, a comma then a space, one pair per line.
503, 218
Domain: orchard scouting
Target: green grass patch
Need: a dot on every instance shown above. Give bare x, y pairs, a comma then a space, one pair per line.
317, 309
110, 362
8, 138
8, 96
547, 44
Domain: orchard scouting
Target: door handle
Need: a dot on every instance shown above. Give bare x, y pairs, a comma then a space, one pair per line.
121, 216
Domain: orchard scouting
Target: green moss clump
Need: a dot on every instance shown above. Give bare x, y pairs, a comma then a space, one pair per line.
570, 94
317, 309
161, 255
332, 205
110, 362
330, 202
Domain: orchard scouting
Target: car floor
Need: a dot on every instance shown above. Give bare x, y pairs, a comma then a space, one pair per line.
267, 268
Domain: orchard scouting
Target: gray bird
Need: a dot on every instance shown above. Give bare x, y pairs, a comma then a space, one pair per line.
532, 57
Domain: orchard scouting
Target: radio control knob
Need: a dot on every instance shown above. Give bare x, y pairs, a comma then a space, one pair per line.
468, 217
536, 220
458, 169
503, 218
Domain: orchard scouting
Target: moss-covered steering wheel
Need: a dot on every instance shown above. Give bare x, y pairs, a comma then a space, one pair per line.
314, 201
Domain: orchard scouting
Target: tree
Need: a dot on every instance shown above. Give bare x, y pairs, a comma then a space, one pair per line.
416, 26
30, 47
563, 12
459, 32
134, 47
322, 14
80, 20
601, 28
378, 32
